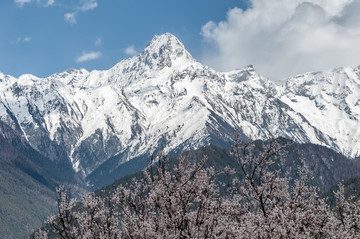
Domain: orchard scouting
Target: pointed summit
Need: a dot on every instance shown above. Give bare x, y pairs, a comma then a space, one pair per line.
167, 41
163, 50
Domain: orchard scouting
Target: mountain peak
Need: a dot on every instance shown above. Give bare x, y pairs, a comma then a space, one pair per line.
166, 48
167, 40
26, 77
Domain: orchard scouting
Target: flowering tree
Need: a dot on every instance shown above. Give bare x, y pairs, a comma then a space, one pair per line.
179, 203
187, 201
271, 208
348, 214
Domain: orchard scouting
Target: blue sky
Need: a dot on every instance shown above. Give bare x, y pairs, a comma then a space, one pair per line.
280, 38
44, 37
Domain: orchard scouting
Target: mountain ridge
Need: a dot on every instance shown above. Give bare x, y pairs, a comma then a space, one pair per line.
163, 99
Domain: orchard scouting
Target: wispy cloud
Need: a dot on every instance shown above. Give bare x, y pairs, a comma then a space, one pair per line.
26, 39
21, 40
84, 6
50, 3
43, 3
88, 5
88, 56
98, 41
130, 51
70, 17
21, 3
283, 38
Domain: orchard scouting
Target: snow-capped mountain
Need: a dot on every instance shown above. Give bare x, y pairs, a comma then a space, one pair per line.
163, 99
330, 101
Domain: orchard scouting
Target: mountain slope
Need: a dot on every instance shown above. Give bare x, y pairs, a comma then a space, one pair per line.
26, 195
163, 99
27, 185
325, 166
331, 102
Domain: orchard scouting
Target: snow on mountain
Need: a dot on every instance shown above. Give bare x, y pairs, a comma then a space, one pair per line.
330, 101
163, 99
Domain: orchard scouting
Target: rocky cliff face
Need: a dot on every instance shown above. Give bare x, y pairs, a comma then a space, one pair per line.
163, 99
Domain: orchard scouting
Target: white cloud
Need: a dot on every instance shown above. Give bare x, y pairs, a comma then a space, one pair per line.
286, 37
98, 41
70, 17
85, 5
21, 40
79, 6
21, 3
43, 3
26, 39
130, 51
88, 5
88, 56
50, 3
